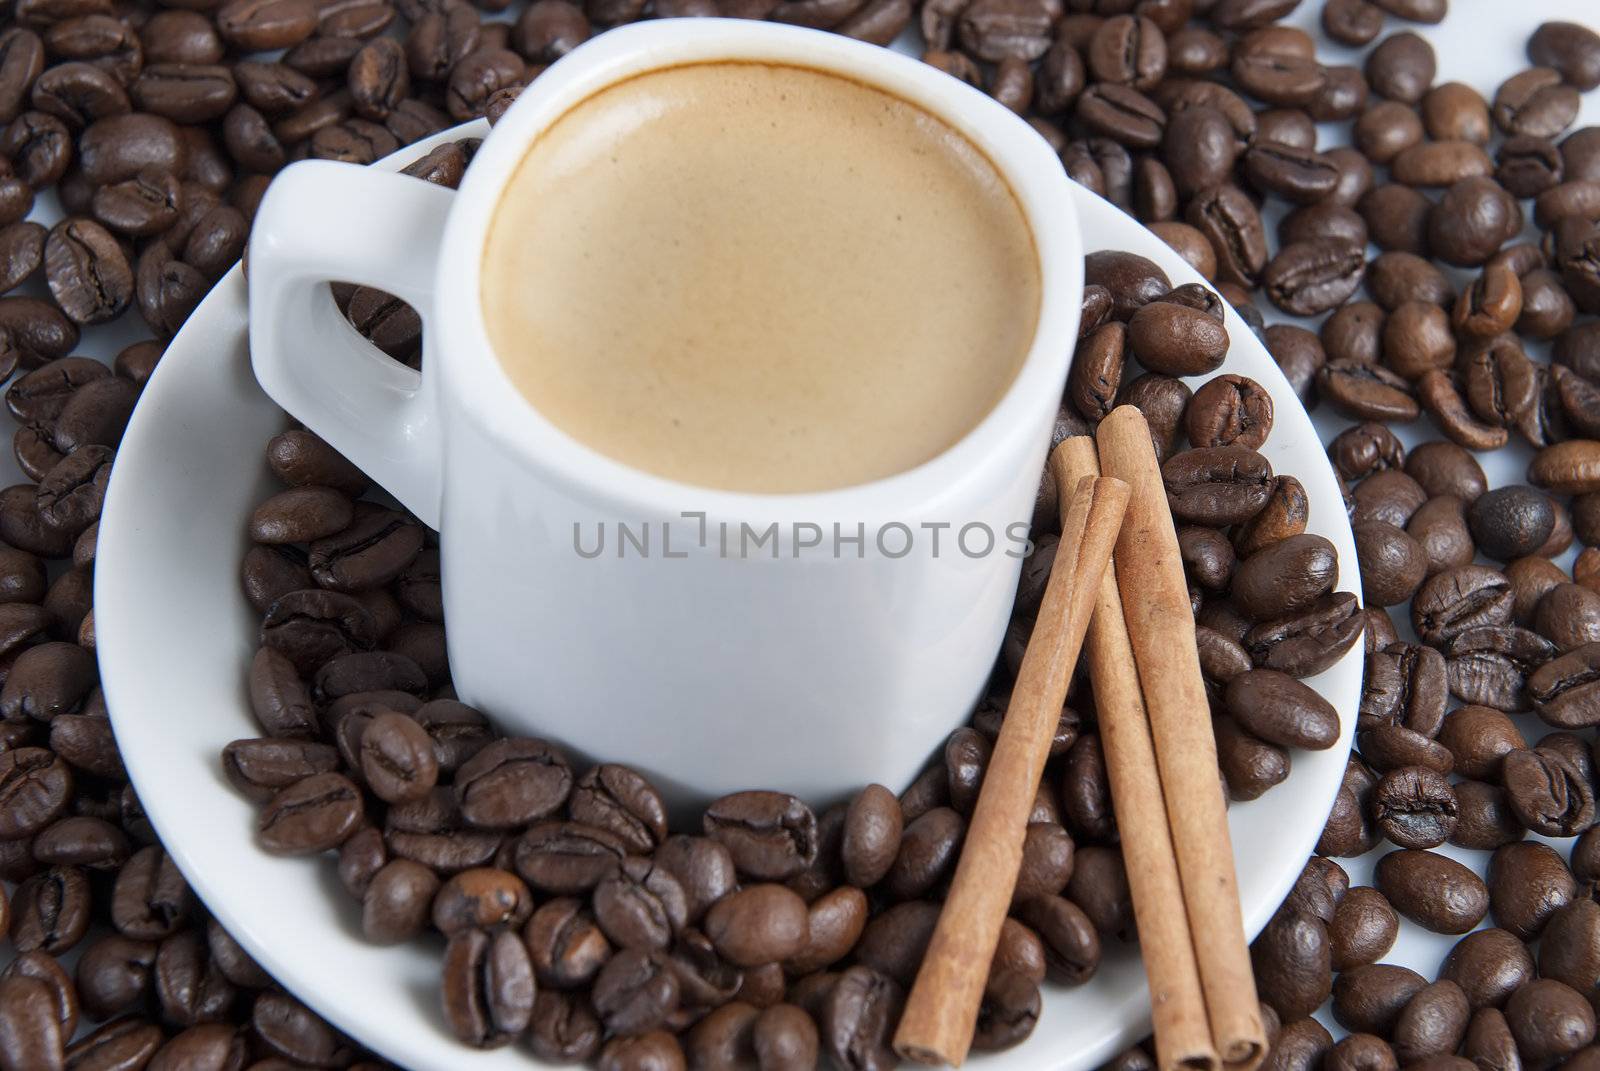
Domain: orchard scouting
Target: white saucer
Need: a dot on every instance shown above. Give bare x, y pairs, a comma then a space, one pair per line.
175, 636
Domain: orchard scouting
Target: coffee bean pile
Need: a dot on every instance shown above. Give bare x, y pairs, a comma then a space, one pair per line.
1493, 636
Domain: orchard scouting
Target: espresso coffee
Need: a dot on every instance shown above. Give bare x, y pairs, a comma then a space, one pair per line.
759, 278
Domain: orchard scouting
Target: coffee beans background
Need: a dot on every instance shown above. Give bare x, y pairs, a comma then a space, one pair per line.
1389, 500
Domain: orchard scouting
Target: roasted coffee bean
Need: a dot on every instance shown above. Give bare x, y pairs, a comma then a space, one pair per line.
1279, 78
1352, 22
966, 757
635, 992
309, 627
1547, 793
1417, 339
1489, 666
858, 1019
50, 911
398, 762
1365, 391
300, 515
1568, 468
1133, 281
1566, 690
1402, 67
1392, 747
1569, 616
1096, 373
310, 816
150, 900
927, 852
641, 906
1229, 410
481, 898
1363, 449
1121, 114
771, 835
1232, 224
1397, 218
1432, 1023
1308, 642
375, 549
1359, 1050
1469, 223
567, 858
1284, 577
1281, 710
872, 833
1528, 883
1299, 355
36, 788
1218, 486
511, 783
1363, 929
1393, 564
1298, 1046
1501, 383
1162, 399
1284, 516
83, 841
1488, 1040
1441, 395
1369, 999
894, 942
1479, 738
265, 25
1567, 952
1395, 278
1486, 820
30, 1033
1250, 765
1531, 578
835, 922
1432, 890
1415, 807
95, 415
566, 944
292, 1031
1535, 103
1207, 556
725, 1037
1456, 112
113, 975
1549, 1020
488, 987
1099, 885
1292, 961
1443, 468
1311, 277
1489, 966
1452, 602
189, 987
620, 800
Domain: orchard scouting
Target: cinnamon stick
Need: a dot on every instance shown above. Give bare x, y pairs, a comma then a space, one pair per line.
1177, 1008
1155, 603
942, 1010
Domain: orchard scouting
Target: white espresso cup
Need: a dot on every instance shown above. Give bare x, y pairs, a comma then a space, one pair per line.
718, 641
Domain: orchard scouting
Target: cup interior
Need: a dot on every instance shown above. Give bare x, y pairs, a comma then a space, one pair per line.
475, 380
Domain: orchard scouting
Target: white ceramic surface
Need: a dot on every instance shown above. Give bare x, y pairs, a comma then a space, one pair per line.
175, 638
809, 671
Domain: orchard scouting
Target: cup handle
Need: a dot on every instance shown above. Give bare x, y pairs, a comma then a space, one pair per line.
322, 222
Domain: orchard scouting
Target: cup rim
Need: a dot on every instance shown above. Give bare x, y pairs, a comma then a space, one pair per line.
474, 379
